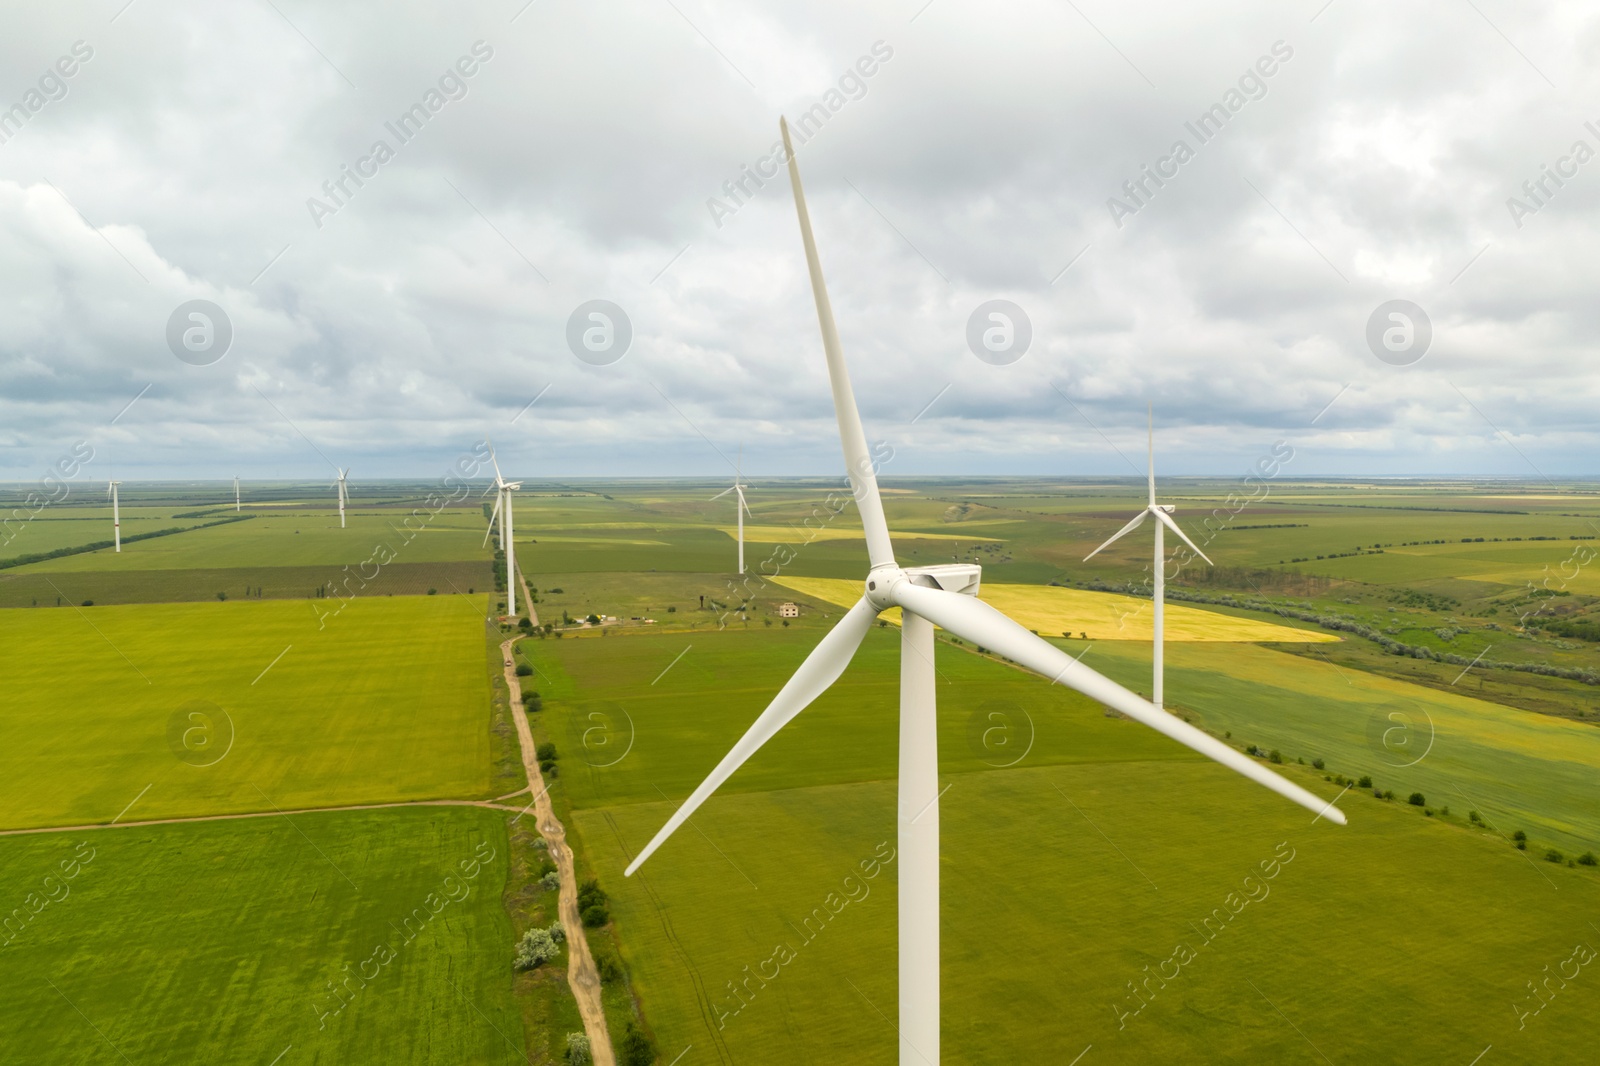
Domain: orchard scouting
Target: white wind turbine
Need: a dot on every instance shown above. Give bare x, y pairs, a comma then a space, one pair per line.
943, 595
339, 483
236, 492
508, 543
116, 514
1162, 511
743, 509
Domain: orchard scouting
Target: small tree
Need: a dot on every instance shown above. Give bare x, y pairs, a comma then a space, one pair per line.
1587, 859
578, 1052
1318, 763
1554, 856
1474, 817
1365, 782
524, 670
1276, 756
1417, 800
635, 1046
547, 752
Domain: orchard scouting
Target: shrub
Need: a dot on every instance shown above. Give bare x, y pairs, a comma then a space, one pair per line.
537, 947
1276, 756
533, 703
88, 603
433, 592
1365, 782
590, 894
1474, 817
672, 610
524, 623
594, 917
1444, 810
609, 969
1318, 763
636, 1049
548, 768
1417, 800
550, 881
547, 752
1587, 859
554, 592
1554, 856
1252, 750
1519, 835
593, 619
578, 1049
524, 670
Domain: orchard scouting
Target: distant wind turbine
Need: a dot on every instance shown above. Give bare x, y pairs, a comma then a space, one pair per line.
339, 483
116, 514
1162, 511
236, 492
943, 595
508, 544
743, 509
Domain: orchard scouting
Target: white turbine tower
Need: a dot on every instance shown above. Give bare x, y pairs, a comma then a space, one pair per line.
943, 595
743, 509
339, 483
116, 514
1162, 511
508, 543
236, 492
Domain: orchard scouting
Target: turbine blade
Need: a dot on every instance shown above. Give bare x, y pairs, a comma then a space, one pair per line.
1150, 463
721, 494
974, 620
1167, 521
498, 479
487, 533
820, 670
1130, 527
858, 461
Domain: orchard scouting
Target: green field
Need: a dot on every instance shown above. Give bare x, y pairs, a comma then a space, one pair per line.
384, 702
217, 942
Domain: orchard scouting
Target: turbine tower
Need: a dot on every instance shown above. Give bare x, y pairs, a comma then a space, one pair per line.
508, 543
943, 595
339, 483
236, 492
116, 514
743, 509
1162, 511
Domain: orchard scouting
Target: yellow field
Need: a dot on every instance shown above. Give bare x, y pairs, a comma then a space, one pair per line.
1053, 611
801, 535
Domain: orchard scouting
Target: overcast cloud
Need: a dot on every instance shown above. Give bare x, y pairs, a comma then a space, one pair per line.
425, 308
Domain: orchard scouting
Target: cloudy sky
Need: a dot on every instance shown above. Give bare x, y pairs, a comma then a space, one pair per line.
561, 153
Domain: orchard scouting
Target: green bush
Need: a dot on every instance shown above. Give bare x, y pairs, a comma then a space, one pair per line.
592, 901
550, 881
1587, 859
635, 1047
533, 703
547, 752
1318, 763
578, 1052
672, 610
524, 670
1474, 817
595, 917
610, 970
1554, 856
1276, 756
1365, 782
1519, 835
1417, 800
536, 948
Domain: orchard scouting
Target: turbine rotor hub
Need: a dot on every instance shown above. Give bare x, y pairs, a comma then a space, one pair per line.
880, 586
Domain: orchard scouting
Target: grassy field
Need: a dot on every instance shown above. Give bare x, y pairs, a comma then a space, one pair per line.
219, 942
1100, 871
386, 701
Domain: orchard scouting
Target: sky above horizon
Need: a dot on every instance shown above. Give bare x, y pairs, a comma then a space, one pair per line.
278, 237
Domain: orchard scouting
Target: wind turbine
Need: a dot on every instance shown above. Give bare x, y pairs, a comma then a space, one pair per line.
339, 483
743, 508
1162, 511
236, 492
508, 543
116, 514
943, 595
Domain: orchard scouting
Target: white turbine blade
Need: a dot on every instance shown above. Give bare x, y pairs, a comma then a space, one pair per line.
820, 670
498, 480
487, 533
1130, 527
974, 620
1167, 521
863, 480
742, 502
721, 494
1150, 461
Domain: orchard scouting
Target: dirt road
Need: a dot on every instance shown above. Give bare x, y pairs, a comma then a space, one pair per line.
581, 972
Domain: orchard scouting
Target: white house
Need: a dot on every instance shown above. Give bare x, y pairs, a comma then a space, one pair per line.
788, 610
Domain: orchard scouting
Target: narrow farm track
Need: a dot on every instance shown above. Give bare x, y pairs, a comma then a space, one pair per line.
582, 975
256, 814
527, 598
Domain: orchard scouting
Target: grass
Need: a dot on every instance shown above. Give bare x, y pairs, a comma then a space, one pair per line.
386, 702
216, 942
1103, 615
1393, 908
